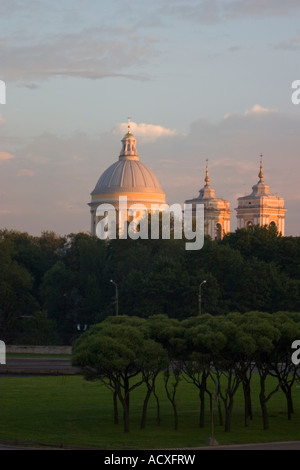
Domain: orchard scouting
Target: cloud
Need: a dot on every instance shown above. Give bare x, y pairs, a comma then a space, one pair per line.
259, 8
25, 172
203, 11
257, 109
215, 11
293, 44
5, 156
146, 132
92, 53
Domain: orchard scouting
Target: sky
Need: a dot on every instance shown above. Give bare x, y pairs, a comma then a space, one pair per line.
200, 79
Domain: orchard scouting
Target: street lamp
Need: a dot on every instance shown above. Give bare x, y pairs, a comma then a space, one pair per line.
117, 296
199, 297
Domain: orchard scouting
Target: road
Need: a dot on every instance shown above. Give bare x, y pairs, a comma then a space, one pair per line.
291, 445
37, 366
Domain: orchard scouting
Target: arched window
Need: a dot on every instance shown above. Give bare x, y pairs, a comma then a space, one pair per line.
218, 232
249, 224
273, 224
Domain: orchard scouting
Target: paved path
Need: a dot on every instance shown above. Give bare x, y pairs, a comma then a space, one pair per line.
37, 366
290, 445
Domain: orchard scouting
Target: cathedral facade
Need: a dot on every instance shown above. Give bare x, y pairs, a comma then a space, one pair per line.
129, 177
261, 207
216, 211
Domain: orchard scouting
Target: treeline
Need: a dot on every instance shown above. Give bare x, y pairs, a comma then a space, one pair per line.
51, 284
217, 354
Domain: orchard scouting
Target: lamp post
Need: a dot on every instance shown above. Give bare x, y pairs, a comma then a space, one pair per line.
199, 297
117, 296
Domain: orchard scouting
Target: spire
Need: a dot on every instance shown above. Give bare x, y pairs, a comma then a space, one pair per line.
260, 174
207, 180
128, 125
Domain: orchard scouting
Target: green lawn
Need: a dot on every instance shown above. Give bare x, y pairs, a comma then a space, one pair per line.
71, 411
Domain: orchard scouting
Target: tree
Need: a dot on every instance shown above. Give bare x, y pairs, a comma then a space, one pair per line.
169, 333
37, 329
282, 366
266, 335
60, 299
16, 298
120, 353
225, 363
196, 365
152, 361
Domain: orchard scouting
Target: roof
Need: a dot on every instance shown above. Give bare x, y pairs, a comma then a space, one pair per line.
127, 175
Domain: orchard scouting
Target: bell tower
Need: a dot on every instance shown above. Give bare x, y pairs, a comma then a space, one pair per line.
261, 207
216, 210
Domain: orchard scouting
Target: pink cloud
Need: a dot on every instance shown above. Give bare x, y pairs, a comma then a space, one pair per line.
5, 156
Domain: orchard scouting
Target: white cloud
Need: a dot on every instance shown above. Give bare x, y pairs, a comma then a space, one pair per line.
257, 109
146, 132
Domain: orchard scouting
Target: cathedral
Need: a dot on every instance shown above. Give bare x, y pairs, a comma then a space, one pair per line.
129, 177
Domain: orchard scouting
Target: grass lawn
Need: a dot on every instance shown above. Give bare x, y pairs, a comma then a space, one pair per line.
71, 411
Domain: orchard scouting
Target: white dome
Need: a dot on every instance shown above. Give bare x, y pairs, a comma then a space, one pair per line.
127, 175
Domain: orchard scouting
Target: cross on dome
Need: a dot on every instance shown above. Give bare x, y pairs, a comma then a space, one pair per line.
128, 118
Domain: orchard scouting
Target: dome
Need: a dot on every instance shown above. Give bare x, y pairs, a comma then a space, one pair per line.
127, 176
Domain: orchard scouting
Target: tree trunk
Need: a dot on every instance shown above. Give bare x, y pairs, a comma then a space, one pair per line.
171, 395
125, 403
116, 413
126, 417
228, 413
145, 405
157, 407
247, 401
220, 413
175, 415
202, 400
289, 400
290, 407
263, 404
